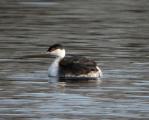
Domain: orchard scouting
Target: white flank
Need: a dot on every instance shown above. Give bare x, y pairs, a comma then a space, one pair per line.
99, 71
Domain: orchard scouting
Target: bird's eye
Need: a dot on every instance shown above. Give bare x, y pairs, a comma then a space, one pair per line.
49, 50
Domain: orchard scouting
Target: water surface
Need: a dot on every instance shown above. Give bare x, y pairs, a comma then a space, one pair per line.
114, 33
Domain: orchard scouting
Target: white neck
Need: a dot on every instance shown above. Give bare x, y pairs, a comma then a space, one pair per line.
54, 68
62, 53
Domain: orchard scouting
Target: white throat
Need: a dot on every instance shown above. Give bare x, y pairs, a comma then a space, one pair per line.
59, 53
54, 67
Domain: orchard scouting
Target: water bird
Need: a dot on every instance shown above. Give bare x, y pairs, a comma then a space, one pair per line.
71, 67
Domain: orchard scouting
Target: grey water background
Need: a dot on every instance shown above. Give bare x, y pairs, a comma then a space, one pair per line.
113, 32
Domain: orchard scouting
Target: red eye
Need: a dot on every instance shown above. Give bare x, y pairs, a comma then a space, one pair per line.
51, 49
48, 50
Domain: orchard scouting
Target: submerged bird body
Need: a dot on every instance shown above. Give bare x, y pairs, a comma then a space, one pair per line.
72, 66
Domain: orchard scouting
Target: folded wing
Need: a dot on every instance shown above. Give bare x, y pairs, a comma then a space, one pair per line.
77, 65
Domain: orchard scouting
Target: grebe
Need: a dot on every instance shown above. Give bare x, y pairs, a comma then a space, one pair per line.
71, 66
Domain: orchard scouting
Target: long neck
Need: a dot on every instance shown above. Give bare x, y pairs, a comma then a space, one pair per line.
54, 68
